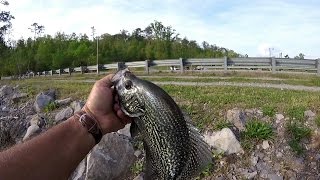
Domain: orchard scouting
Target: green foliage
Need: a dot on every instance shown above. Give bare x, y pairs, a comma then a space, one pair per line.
258, 130
45, 52
207, 172
220, 124
50, 107
297, 131
269, 110
137, 167
296, 112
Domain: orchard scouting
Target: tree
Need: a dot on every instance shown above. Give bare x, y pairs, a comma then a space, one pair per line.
36, 29
300, 56
5, 20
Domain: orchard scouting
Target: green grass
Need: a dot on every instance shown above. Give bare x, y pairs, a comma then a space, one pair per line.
220, 124
258, 130
297, 131
50, 107
269, 111
296, 112
137, 167
305, 82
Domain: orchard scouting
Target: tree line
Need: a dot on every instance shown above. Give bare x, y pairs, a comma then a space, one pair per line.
45, 52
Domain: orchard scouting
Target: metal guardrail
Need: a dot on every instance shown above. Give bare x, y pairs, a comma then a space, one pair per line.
204, 64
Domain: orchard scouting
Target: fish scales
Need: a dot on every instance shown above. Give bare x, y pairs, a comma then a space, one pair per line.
174, 148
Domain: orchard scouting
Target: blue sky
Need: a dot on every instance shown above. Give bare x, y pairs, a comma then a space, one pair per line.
248, 27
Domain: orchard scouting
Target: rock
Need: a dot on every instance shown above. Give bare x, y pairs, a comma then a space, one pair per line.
111, 158
274, 177
139, 177
253, 113
37, 119
32, 130
254, 160
51, 93
17, 96
279, 118
42, 100
63, 102
80, 172
125, 131
224, 141
248, 175
265, 145
237, 117
138, 153
5, 90
309, 115
76, 106
64, 114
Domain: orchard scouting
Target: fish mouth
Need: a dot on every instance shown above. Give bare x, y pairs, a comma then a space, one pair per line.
119, 75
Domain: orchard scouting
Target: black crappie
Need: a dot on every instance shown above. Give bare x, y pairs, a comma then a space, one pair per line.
174, 148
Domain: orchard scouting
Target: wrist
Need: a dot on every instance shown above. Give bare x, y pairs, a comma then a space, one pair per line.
89, 123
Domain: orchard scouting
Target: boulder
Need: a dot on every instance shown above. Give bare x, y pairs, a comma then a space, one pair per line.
5, 90
64, 114
125, 131
111, 158
31, 131
76, 105
80, 172
37, 119
17, 96
63, 102
237, 117
309, 115
224, 141
42, 100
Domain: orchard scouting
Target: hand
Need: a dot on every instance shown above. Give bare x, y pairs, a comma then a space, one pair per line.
104, 107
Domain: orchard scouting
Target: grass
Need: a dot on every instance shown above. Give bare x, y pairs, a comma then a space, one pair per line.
258, 130
305, 82
50, 107
137, 167
269, 111
296, 112
220, 124
297, 131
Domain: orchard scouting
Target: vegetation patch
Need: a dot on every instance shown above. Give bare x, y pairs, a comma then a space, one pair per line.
269, 110
297, 131
258, 130
51, 106
296, 113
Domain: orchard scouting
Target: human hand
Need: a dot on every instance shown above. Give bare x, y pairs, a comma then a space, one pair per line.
103, 105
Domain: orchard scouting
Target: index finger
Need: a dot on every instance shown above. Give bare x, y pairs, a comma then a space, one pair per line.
106, 81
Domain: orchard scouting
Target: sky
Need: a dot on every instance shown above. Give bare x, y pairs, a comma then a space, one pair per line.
248, 27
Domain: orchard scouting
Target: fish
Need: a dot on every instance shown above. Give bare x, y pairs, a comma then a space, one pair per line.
174, 148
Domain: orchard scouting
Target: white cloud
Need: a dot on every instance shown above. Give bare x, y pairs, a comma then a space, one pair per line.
245, 26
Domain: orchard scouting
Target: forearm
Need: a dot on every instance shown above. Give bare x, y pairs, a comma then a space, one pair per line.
52, 155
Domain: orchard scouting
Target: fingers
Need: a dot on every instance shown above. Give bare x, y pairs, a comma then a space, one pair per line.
106, 81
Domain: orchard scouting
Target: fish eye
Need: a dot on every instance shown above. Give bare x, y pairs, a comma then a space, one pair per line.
128, 84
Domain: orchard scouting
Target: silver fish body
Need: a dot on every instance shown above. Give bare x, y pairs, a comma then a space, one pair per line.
174, 148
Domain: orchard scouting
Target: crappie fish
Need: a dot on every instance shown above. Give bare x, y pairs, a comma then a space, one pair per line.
174, 148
